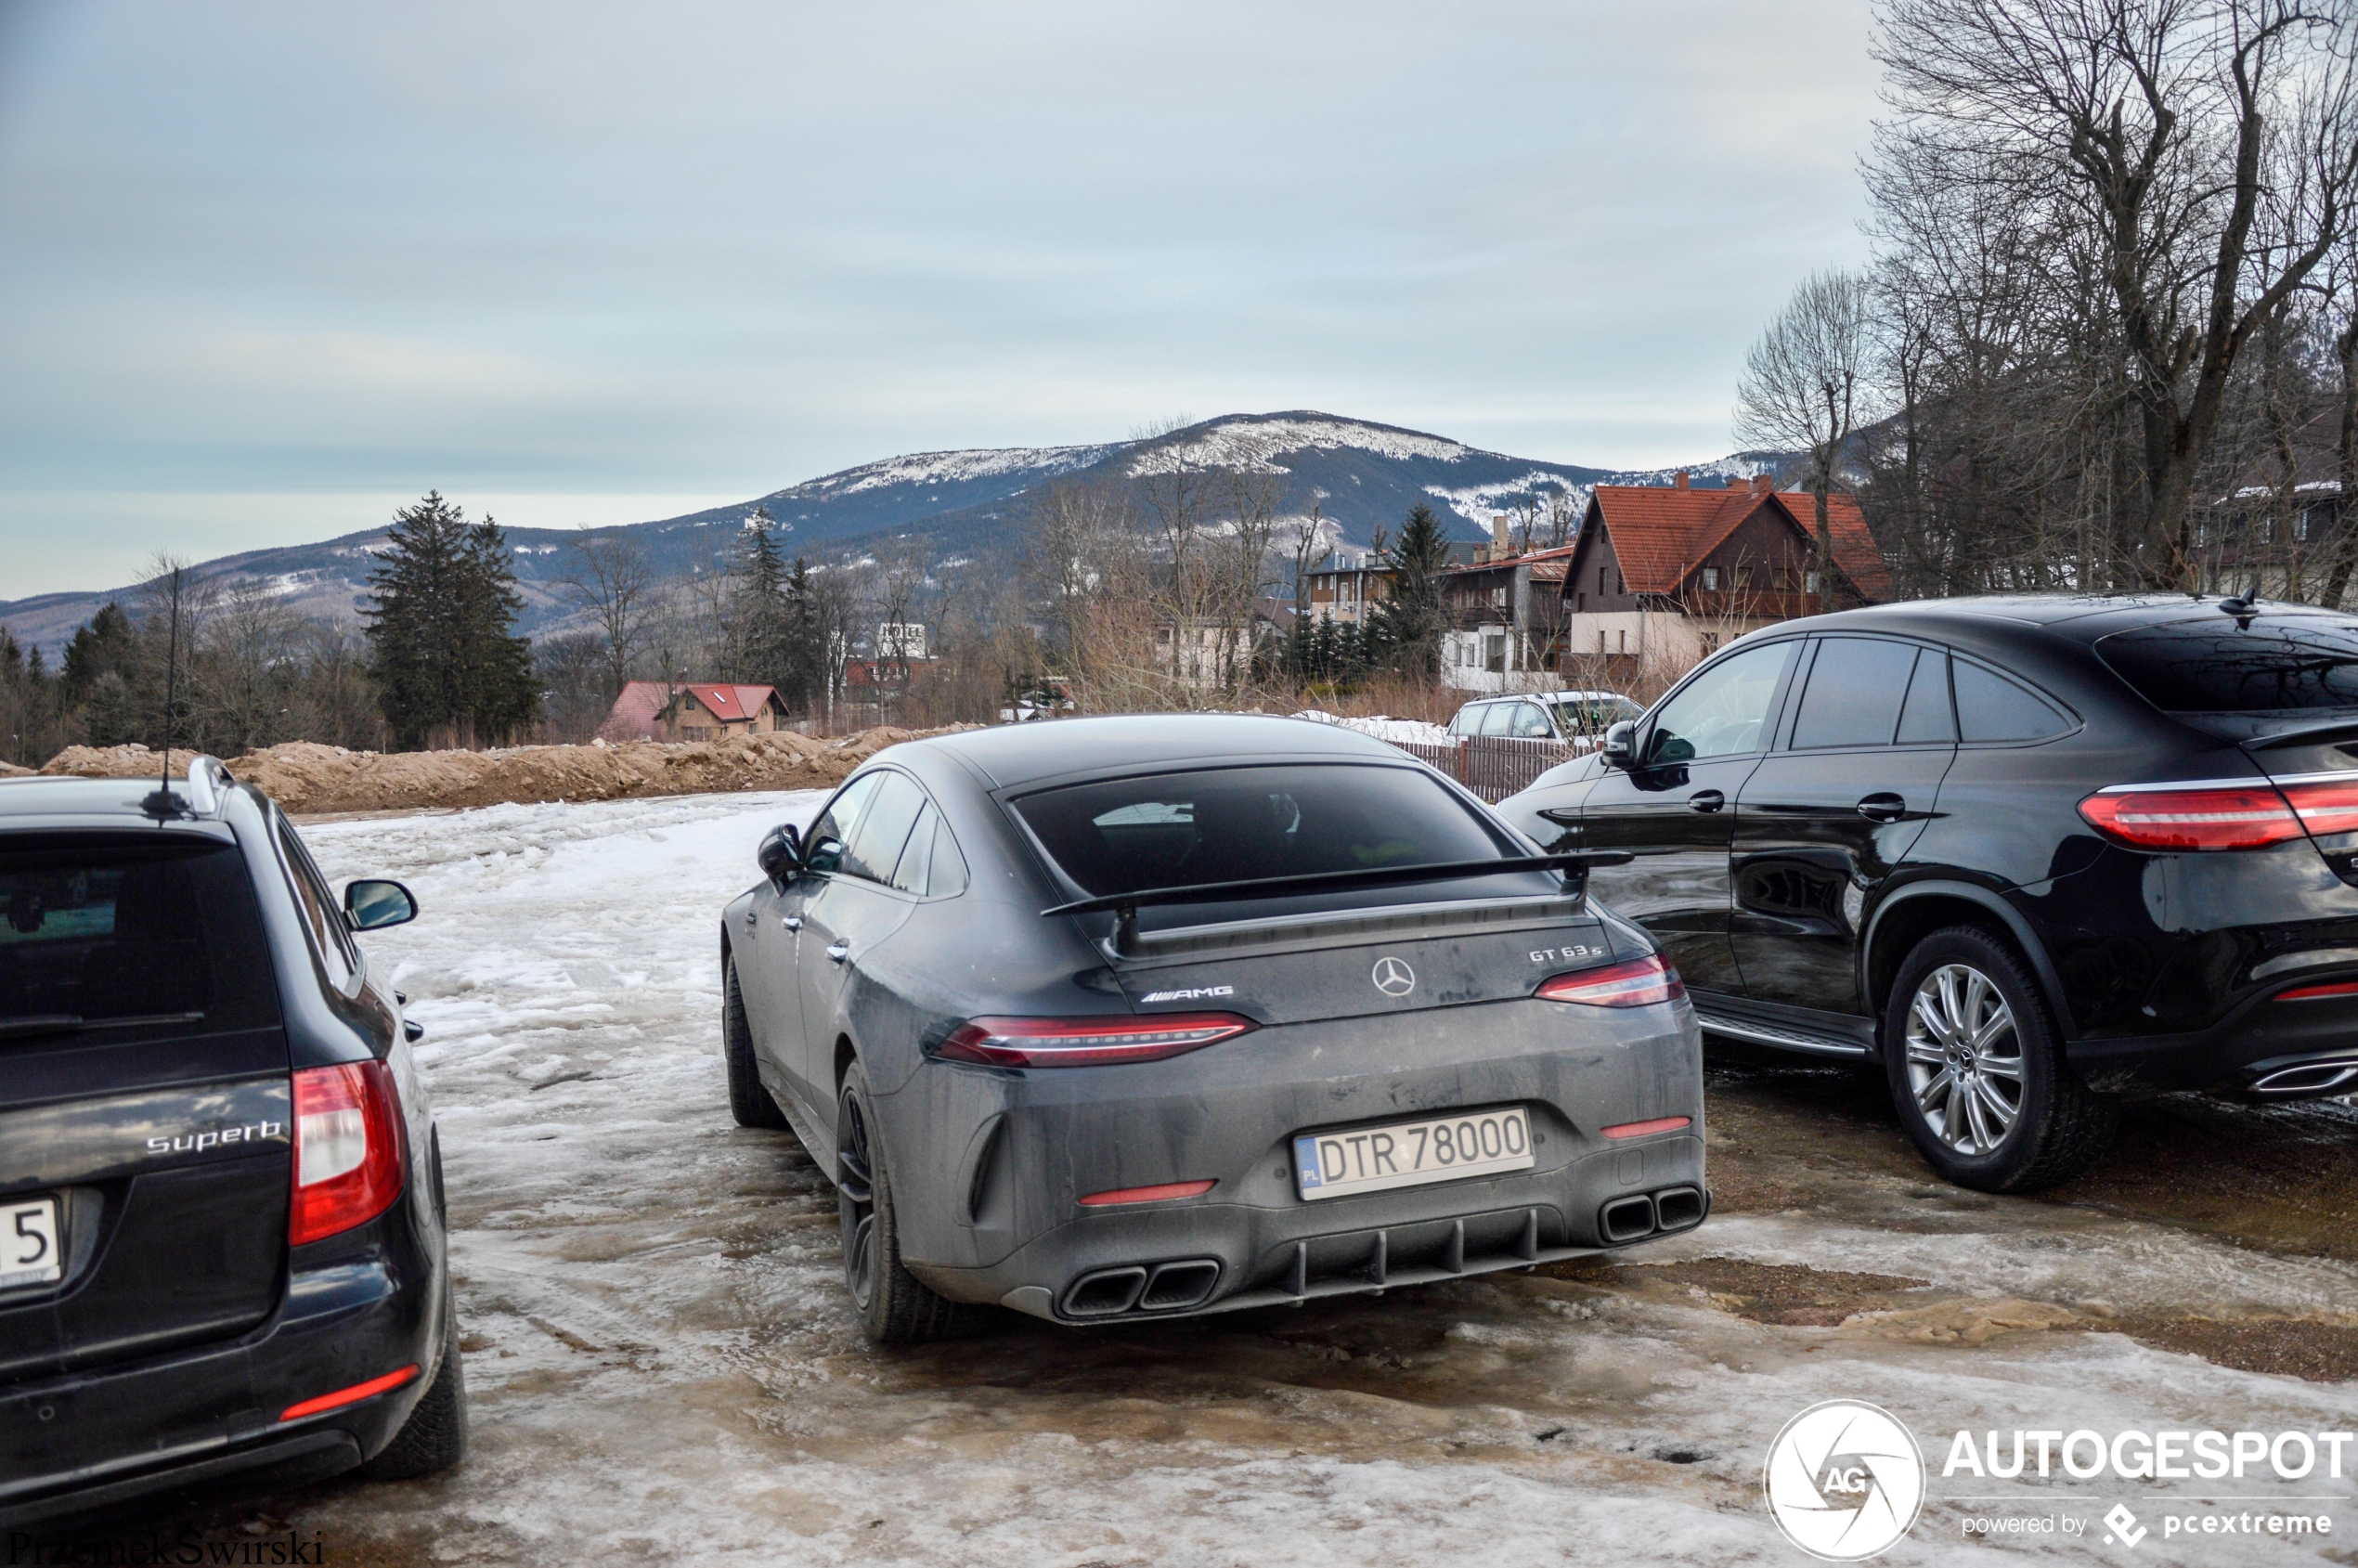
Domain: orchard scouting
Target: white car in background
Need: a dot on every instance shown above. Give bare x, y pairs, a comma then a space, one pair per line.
1579, 719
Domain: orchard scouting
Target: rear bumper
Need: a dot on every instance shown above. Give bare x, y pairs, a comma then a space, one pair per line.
205, 1420
2277, 1050
1005, 1223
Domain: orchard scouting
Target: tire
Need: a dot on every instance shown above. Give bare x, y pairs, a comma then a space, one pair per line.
887, 1301
748, 1101
434, 1437
2018, 1119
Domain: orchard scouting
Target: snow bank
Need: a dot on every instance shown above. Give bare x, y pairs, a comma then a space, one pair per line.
1409, 731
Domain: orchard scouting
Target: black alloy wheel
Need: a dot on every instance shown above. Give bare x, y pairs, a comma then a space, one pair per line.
1977, 1074
889, 1303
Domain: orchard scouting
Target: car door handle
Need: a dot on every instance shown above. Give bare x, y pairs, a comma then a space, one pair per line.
753, 920
791, 921
1705, 800
1883, 807
840, 951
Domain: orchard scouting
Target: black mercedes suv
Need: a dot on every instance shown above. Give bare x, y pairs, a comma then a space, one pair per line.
2030, 855
222, 1261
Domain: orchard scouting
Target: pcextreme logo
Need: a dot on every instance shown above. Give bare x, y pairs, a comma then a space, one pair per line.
1844, 1480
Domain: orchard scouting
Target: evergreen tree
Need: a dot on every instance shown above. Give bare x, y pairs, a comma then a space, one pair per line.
106, 644
1409, 621
441, 635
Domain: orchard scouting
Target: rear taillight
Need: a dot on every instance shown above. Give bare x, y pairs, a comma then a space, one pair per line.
1634, 984
347, 1148
1086, 1042
2324, 805
2233, 817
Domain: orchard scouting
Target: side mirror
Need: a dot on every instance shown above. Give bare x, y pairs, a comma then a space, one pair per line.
1620, 747
781, 853
372, 903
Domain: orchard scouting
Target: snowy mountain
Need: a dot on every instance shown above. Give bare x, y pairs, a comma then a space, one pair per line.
1361, 475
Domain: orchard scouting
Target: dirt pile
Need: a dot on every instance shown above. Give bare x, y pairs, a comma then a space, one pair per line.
305, 776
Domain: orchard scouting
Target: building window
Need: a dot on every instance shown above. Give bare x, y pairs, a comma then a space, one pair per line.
1601, 582
1620, 584
1711, 580
1625, 641
1809, 582
1780, 579
1743, 577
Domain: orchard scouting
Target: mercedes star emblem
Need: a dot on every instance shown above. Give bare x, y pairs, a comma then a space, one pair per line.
1393, 978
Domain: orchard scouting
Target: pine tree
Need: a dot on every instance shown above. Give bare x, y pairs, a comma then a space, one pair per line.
106, 642
441, 635
1409, 621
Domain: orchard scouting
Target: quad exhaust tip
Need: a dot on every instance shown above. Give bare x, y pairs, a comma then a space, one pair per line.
1167, 1287
1649, 1213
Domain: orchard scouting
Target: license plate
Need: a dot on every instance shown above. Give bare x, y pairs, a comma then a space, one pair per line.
1411, 1153
29, 1243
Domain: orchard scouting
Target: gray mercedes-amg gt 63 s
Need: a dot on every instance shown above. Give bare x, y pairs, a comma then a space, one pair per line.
1120, 1018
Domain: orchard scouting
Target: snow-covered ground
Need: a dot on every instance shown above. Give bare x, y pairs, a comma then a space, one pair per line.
662, 1369
1414, 732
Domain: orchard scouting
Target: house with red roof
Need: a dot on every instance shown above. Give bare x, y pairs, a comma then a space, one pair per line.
671, 710
1660, 576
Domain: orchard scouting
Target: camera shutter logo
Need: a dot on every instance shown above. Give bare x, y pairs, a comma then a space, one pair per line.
1393, 978
1844, 1480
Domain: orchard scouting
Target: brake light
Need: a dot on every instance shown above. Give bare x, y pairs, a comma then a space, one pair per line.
1087, 1041
1637, 983
1647, 1129
2228, 817
2324, 805
348, 1149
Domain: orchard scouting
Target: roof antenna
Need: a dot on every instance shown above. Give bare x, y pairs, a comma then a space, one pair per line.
2243, 606
161, 805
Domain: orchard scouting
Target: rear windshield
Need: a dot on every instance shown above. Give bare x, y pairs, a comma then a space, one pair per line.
2276, 664
1236, 825
117, 933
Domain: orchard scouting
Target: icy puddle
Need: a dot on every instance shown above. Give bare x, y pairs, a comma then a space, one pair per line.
661, 1369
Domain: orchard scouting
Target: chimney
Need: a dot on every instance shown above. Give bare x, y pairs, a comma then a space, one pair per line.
1498, 533
1482, 555
1678, 480
1762, 484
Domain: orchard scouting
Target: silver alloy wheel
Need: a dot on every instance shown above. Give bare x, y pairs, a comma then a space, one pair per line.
1964, 1058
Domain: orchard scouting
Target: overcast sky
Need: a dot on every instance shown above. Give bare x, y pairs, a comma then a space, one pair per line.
269, 271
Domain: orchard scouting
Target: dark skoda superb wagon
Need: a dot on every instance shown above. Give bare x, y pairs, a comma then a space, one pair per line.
222, 1258
1115, 1018
2026, 855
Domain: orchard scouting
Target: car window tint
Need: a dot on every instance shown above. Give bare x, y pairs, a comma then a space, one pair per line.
827, 834
948, 876
2219, 665
1722, 710
1926, 718
1494, 719
1466, 720
1991, 707
917, 856
101, 928
1237, 824
1853, 695
1528, 723
320, 910
883, 829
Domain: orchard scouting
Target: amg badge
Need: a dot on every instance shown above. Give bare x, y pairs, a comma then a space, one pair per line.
1196, 994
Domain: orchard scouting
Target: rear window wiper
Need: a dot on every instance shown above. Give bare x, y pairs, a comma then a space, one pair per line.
28, 1024
1126, 905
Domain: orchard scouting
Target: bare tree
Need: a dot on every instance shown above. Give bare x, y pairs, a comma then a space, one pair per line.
2141, 137
1804, 384
614, 580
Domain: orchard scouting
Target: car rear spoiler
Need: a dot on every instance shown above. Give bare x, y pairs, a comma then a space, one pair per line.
1125, 906
2308, 734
